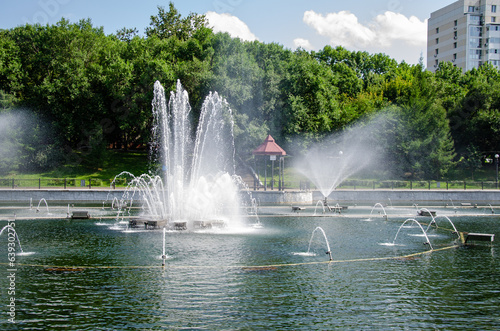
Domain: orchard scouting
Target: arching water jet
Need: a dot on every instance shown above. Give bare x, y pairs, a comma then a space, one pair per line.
329, 251
421, 228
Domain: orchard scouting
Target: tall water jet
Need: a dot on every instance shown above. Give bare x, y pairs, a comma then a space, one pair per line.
197, 180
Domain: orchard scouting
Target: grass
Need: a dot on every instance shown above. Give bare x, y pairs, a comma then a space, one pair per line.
135, 162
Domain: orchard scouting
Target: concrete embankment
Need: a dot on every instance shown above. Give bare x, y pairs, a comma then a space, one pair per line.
480, 197
425, 197
59, 196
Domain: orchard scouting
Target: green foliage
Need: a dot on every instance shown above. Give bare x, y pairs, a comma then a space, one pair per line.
88, 92
171, 24
471, 160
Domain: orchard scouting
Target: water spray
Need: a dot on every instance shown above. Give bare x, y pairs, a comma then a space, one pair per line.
329, 251
163, 256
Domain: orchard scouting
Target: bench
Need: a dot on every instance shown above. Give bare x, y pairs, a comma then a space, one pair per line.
80, 214
479, 237
180, 225
297, 209
150, 225
426, 212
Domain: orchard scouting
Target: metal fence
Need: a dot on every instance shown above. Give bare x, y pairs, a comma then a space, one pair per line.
60, 183
351, 184
386, 185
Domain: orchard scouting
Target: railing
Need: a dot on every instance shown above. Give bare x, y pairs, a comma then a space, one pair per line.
387, 184
351, 184
60, 183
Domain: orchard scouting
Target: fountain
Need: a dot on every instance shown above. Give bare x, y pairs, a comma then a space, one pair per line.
328, 163
12, 234
423, 232
449, 221
321, 204
257, 274
375, 206
197, 185
40, 202
329, 251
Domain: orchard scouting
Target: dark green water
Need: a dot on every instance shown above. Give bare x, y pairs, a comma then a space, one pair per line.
210, 283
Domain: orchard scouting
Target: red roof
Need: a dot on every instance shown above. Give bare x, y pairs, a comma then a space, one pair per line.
269, 147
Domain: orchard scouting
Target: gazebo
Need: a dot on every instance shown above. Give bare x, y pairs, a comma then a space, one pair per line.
270, 148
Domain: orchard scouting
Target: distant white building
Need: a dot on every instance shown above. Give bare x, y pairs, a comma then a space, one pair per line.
466, 33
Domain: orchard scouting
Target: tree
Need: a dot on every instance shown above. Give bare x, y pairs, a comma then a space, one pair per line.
171, 24
126, 34
475, 119
422, 144
471, 159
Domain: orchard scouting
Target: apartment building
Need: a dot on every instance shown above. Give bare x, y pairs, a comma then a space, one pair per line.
466, 33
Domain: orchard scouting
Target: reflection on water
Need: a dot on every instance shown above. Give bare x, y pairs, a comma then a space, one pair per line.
252, 279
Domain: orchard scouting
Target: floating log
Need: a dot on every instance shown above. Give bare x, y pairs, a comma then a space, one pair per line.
62, 269
263, 268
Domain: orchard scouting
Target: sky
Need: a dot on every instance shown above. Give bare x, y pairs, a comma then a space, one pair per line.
397, 28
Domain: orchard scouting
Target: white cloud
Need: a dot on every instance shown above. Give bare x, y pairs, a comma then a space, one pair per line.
230, 24
303, 43
344, 29
392, 26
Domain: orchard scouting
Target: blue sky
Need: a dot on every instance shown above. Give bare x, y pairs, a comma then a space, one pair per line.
394, 27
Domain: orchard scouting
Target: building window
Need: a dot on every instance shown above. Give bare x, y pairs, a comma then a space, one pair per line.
493, 19
436, 63
454, 56
437, 51
475, 31
493, 8
455, 45
437, 40
471, 9
476, 54
437, 30
456, 22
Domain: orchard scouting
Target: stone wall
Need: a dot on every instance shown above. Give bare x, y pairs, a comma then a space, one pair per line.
369, 197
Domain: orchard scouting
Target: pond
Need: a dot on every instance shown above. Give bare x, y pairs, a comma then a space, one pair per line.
97, 274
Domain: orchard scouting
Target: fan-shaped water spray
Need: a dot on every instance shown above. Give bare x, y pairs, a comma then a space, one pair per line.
328, 163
